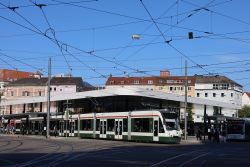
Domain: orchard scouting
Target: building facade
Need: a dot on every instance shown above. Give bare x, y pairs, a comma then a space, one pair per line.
37, 87
216, 88
246, 99
7, 76
164, 83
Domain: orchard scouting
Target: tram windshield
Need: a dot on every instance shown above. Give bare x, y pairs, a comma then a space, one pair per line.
235, 128
171, 120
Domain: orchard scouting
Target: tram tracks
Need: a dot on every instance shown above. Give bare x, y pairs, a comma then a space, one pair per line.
85, 152
10, 143
183, 159
40, 159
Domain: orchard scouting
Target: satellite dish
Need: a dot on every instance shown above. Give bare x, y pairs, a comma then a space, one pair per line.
136, 36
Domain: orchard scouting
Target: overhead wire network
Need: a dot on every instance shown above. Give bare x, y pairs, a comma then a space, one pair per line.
121, 63
56, 41
168, 41
59, 43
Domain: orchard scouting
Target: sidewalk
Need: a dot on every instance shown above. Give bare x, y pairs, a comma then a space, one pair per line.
191, 140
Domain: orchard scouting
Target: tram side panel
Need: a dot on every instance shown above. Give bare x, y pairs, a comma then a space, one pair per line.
145, 128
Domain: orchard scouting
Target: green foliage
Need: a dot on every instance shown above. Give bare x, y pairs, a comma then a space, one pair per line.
244, 112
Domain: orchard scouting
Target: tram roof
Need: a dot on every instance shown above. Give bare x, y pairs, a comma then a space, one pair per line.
119, 92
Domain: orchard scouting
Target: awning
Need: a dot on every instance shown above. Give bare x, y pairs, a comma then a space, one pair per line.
24, 115
220, 118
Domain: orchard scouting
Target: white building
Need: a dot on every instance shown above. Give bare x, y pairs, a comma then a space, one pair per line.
217, 88
37, 87
246, 99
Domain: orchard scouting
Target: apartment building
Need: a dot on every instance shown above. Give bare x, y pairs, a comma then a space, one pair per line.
37, 87
217, 88
7, 76
164, 83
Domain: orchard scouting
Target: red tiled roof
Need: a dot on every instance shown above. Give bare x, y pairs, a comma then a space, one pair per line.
158, 81
12, 75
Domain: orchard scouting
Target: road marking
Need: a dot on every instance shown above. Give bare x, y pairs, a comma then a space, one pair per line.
173, 158
202, 155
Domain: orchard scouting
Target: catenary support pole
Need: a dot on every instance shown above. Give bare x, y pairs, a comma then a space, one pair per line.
48, 98
185, 112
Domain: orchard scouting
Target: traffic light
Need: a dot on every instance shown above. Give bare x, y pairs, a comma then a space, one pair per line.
190, 35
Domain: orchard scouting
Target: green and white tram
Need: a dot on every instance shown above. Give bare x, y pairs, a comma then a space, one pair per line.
144, 126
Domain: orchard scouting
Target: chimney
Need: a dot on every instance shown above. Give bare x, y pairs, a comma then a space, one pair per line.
164, 73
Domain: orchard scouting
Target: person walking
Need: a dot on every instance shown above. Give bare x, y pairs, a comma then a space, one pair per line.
217, 136
209, 134
198, 134
55, 131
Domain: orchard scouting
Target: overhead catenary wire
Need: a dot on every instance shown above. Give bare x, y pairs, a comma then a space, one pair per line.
122, 60
218, 13
40, 6
38, 32
168, 42
57, 42
55, 4
62, 43
22, 62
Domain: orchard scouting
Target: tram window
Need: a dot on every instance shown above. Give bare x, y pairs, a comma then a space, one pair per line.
235, 129
36, 125
76, 124
98, 124
161, 129
125, 125
247, 130
141, 125
87, 124
111, 124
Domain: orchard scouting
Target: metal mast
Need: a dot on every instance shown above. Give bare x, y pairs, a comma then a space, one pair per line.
48, 98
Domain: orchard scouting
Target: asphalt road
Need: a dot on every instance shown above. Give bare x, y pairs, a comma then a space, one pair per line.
36, 151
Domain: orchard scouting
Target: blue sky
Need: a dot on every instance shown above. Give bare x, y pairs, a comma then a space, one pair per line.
95, 37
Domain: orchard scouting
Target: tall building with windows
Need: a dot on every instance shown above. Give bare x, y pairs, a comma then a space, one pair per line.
217, 88
164, 83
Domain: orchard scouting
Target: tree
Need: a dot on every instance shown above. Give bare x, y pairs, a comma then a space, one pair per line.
244, 112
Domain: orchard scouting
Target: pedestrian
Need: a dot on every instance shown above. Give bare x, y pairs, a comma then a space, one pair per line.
209, 134
198, 134
217, 136
23, 129
55, 131
224, 136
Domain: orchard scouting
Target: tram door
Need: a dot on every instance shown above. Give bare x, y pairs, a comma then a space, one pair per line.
72, 128
103, 128
61, 128
118, 128
40, 128
32, 129
156, 129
